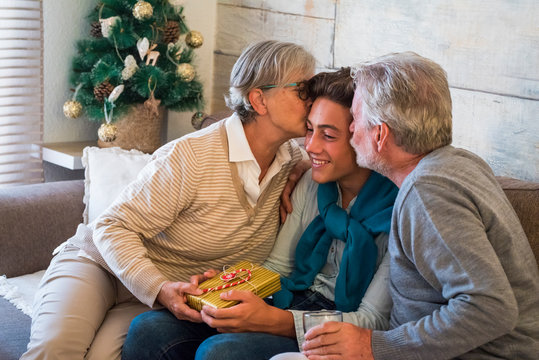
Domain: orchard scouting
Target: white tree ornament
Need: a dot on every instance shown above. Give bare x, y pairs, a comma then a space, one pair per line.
130, 67
116, 92
106, 24
143, 45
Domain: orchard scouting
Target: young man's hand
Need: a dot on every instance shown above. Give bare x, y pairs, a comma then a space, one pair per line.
251, 314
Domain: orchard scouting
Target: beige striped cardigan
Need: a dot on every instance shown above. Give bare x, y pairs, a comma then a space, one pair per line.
186, 212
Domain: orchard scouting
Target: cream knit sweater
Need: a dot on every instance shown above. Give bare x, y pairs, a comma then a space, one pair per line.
186, 212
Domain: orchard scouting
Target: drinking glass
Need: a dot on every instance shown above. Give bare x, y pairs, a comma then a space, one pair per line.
314, 318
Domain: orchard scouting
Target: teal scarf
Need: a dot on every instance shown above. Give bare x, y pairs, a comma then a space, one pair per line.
370, 216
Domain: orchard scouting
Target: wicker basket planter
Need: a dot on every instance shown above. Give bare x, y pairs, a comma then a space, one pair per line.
139, 129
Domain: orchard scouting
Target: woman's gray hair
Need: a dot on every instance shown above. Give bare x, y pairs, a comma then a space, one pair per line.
410, 94
268, 62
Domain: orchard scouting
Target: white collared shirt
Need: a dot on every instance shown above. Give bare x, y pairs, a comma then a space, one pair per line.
248, 169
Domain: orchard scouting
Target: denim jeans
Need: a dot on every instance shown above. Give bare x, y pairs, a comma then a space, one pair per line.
260, 346
157, 334
160, 335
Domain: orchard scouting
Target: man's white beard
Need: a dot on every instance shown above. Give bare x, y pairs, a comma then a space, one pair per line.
373, 161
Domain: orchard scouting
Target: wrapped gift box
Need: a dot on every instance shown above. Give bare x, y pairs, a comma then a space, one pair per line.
263, 282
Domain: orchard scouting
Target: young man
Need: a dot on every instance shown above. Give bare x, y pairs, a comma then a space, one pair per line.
464, 280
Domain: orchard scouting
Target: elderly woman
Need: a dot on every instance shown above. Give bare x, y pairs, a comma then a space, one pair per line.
205, 200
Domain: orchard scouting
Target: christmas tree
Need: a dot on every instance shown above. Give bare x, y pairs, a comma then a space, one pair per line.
135, 53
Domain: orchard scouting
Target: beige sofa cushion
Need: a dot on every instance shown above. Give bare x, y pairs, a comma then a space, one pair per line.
107, 172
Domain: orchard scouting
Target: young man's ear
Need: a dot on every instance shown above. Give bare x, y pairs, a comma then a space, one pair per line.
258, 101
382, 136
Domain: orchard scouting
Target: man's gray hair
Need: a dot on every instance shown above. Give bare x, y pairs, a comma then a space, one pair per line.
410, 94
268, 62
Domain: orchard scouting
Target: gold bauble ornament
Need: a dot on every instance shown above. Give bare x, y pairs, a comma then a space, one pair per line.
194, 39
107, 132
186, 72
72, 109
142, 10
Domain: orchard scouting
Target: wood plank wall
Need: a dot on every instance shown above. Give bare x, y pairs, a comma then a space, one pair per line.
489, 48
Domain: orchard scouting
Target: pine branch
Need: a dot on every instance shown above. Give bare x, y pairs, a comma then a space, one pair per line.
101, 59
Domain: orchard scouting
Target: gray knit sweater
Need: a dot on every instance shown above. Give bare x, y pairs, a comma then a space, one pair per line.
464, 280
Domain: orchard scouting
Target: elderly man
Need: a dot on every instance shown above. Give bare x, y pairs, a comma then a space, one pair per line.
464, 280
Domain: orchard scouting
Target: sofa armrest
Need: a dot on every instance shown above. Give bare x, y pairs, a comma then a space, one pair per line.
34, 220
524, 196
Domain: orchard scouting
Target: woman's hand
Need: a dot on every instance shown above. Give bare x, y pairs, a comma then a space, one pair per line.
208, 274
251, 314
173, 296
338, 340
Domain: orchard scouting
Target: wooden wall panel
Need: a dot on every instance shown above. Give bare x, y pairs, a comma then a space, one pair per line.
503, 130
313, 8
239, 26
221, 80
485, 45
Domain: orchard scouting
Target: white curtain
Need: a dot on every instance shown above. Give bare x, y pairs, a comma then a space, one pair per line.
21, 91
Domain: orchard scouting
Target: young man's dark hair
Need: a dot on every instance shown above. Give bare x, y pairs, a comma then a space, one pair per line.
337, 86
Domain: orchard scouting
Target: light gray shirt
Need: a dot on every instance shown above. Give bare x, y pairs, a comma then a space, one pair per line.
373, 312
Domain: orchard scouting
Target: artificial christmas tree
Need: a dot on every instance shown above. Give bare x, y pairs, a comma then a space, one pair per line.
135, 51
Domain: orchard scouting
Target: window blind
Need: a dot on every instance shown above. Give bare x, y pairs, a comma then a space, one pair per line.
21, 91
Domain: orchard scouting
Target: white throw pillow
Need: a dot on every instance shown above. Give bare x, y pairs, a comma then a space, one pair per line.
107, 172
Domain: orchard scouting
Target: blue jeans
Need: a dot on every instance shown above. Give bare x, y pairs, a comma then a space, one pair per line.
262, 346
245, 346
157, 334
160, 335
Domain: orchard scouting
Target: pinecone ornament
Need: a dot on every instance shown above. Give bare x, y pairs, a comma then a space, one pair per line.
171, 33
95, 31
103, 90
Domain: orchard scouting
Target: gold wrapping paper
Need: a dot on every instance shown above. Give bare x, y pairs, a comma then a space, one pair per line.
263, 283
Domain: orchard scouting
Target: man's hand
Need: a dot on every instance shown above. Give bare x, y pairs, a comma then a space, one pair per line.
297, 172
173, 296
251, 314
338, 340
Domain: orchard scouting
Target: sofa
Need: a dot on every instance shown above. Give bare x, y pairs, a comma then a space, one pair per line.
35, 219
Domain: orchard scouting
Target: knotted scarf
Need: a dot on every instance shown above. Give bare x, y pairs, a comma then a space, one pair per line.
370, 215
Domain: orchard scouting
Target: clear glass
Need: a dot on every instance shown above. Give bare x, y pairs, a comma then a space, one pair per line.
314, 318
